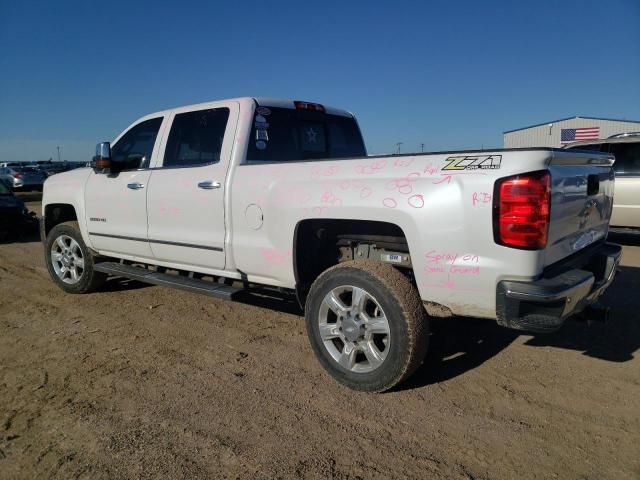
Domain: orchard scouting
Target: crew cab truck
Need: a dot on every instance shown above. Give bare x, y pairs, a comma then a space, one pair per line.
250, 193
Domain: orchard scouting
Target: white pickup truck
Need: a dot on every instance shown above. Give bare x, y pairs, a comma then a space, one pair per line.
256, 193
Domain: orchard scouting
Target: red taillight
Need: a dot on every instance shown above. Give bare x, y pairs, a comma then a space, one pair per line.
521, 210
315, 107
18, 175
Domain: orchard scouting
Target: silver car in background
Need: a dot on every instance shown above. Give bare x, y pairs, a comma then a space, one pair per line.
23, 178
626, 200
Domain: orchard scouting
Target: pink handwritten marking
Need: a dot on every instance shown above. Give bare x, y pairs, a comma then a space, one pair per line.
464, 270
329, 197
433, 256
373, 167
481, 197
275, 256
430, 169
365, 192
169, 210
437, 269
446, 177
445, 262
403, 185
363, 189
413, 175
324, 172
416, 201
403, 162
379, 164
389, 203
320, 210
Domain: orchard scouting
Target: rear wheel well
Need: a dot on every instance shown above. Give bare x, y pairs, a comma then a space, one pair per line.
322, 243
56, 213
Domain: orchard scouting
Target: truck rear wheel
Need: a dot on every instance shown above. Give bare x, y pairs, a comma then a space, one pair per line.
69, 261
367, 325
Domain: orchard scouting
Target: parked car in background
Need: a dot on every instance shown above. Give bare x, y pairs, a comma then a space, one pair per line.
626, 201
23, 178
14, 217
58, 167
6, 176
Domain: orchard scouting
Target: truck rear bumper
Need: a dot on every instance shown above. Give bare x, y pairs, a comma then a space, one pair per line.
543, 305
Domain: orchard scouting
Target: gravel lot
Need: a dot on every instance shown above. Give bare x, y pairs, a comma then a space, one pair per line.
146, 382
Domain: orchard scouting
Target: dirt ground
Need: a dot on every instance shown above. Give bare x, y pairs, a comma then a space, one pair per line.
146, 382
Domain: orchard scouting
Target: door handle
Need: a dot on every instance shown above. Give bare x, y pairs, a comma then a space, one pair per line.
135, 186
209, 185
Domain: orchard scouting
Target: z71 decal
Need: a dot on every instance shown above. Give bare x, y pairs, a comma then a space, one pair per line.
476, 162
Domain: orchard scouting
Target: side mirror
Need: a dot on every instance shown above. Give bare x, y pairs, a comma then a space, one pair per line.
102, 160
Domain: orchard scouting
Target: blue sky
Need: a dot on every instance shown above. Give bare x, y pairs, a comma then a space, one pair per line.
449, 74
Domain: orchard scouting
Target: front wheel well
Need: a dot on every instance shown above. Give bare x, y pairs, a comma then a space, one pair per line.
322, 243
56, 213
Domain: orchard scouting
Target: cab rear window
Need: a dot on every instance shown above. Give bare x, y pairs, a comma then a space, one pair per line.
285, 135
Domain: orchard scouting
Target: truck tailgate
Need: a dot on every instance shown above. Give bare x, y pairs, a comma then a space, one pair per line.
582, 185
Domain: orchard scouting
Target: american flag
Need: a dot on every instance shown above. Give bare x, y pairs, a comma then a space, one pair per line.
568, 135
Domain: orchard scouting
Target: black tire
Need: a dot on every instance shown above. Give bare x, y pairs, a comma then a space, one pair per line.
89, 280
408, 323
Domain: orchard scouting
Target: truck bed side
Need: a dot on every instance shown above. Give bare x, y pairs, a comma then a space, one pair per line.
441, 202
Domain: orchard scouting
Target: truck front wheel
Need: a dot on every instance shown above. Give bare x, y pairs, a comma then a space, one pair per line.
69, 261
367, 325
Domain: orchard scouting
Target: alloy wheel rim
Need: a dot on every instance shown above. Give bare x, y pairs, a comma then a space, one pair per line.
354, 329
67, 259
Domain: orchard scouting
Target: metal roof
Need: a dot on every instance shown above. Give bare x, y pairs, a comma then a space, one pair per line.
632, 139
571, 118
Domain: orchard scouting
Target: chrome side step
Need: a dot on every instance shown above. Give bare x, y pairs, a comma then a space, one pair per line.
189, 284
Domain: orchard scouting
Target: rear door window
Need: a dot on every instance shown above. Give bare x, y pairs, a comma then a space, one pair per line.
196, 138
284, 134
627, 158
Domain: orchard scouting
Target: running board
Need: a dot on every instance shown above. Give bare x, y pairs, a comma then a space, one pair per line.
176, 281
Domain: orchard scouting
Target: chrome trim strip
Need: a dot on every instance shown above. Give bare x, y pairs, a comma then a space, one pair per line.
163, 242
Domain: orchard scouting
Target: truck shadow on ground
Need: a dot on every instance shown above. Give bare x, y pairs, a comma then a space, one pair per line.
121, 284
459, 345
616, 340
271, 300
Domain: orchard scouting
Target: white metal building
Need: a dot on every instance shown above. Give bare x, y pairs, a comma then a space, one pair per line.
557, 133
